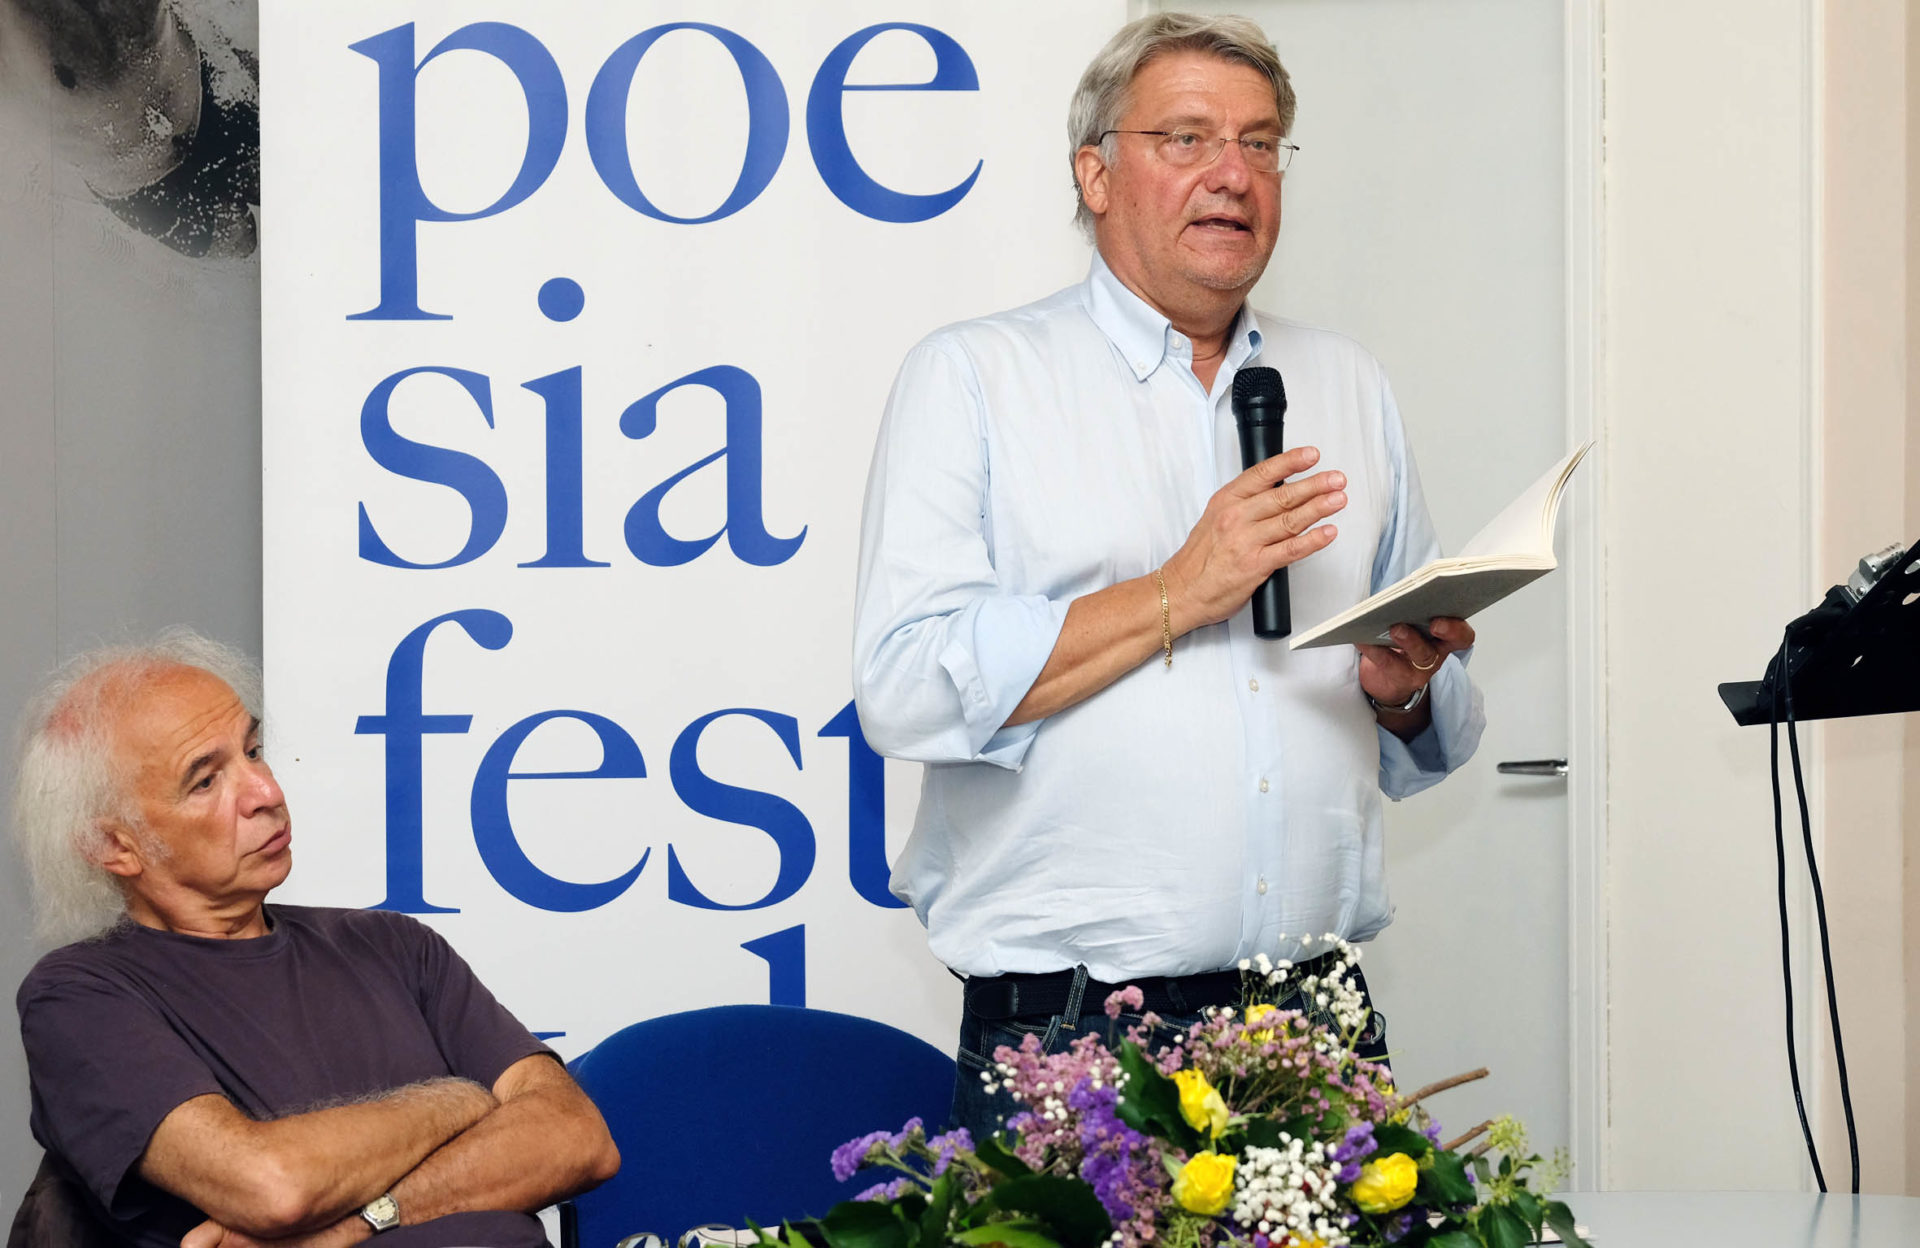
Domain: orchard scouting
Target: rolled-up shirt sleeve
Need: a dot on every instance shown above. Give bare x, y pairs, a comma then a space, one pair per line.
942, 650
1458, 710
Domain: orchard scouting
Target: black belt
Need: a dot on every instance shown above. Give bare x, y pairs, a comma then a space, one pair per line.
1023, 996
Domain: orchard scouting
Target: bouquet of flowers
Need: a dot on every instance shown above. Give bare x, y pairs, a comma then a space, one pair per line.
1259, 1128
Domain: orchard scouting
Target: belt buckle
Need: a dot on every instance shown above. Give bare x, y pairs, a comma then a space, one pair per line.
995, 1000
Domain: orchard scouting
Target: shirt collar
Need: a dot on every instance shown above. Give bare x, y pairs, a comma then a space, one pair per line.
1143, 337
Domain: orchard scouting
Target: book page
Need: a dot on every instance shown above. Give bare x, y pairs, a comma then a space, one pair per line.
1457, 593
1525, 528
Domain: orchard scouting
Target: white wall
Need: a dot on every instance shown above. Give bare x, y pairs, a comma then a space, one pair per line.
1707, 394
1862, 357
1911, 803
1760, 346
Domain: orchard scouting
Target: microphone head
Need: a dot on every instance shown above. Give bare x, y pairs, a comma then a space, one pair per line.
1259, 395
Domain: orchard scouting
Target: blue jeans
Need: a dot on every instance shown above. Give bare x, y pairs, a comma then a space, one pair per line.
982, 1113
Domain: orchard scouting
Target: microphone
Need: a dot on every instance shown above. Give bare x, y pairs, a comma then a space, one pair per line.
1260, 407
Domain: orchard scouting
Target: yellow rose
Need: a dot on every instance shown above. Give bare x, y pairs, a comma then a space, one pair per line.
1254, 1014
1205, 1184
1386, 1184
1200, 1103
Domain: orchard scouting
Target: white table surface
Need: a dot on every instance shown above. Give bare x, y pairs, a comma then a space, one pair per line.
1746, 1219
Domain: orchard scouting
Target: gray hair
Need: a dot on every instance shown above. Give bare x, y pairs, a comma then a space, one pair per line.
66, 786
1102, 97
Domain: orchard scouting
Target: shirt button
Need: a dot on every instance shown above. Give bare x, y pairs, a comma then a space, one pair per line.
1263, 784
1253, 685
1261, 887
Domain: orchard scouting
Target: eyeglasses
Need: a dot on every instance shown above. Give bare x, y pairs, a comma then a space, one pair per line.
1264, 153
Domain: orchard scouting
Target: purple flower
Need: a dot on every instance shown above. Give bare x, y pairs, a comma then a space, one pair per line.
849, 1157
945, 1146
1432, 1130
1358, 1143
1129, 997
1398, 1227
886, 1191
1117, 1162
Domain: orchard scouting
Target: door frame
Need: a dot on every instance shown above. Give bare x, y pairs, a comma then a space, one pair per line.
1585, 587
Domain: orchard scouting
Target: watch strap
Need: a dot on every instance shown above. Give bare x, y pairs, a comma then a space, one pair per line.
1419, 696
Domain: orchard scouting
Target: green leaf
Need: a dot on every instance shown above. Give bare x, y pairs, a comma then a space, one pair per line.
1480, 1168
1560, 1218
1530, 1210
999, 1160
1258, 1133
1394, 1138
1067, 1205
1012, 1234
1151, 1102
1503, 1228
1444, 1181
1453, 1239
805, 1233
933, 1221
864, 1224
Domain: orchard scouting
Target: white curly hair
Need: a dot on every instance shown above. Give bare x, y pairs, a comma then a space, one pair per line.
66, 786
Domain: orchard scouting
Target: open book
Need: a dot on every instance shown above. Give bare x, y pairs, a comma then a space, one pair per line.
1517, 547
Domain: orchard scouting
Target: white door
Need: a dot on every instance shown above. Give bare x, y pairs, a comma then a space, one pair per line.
1424, 216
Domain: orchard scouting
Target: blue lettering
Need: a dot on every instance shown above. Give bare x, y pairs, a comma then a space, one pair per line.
785, 953
403, 201
867, 865
565, 539
404, 726
827, 125
493, 832
417, 461
745, 525
606, 122
780, 819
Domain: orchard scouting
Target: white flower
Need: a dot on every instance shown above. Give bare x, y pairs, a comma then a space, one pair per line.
1291, 1188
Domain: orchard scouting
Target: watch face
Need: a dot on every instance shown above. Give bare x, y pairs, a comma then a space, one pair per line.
382, 1213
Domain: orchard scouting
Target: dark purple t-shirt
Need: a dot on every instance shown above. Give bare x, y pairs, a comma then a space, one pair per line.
330, 1005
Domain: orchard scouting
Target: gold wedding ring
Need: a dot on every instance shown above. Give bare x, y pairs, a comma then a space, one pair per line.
1429, 667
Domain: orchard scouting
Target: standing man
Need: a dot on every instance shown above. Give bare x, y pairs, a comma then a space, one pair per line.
1125, 785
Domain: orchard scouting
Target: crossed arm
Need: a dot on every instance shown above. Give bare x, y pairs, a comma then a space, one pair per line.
444, 1146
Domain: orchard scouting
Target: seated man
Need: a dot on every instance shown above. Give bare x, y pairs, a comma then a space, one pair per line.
215, 1071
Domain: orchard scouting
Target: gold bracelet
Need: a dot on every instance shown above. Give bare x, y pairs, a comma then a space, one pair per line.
1166, 618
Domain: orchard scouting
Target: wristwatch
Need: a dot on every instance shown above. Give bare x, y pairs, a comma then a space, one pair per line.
382, 1213
1419, 696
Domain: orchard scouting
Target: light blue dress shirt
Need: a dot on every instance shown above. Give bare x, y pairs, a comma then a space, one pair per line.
1184, 817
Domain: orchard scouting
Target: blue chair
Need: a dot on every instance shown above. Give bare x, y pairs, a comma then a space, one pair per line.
732, 1113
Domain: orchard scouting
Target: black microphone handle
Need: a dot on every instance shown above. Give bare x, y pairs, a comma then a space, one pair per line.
1272, 608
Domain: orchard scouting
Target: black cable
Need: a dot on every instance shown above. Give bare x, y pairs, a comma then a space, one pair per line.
1786, 944
1826, 947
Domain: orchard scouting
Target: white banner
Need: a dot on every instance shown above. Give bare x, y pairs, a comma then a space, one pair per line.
578, 322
